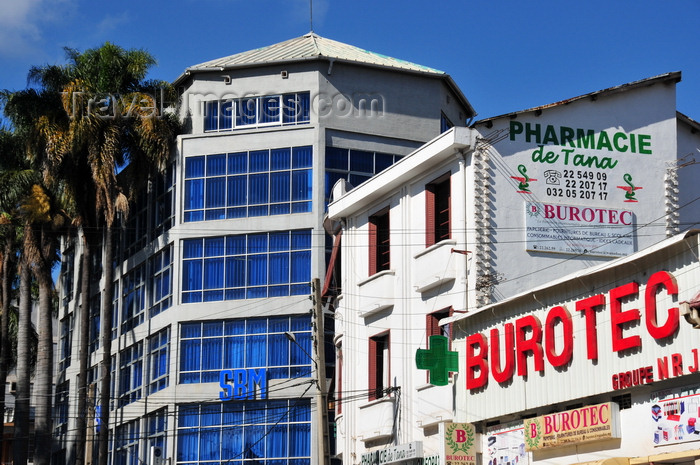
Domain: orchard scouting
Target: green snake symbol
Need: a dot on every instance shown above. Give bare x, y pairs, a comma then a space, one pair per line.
629, 195
523, 185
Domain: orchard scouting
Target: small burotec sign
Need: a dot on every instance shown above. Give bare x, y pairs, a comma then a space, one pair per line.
585, 424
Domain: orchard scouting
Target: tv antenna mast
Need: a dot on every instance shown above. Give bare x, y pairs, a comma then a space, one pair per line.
311, 15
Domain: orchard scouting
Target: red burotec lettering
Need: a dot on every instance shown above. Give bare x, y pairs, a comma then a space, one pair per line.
507, 350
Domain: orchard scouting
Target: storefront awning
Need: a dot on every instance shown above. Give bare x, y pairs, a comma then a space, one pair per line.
608, 461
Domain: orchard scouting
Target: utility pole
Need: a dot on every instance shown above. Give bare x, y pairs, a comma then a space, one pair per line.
320, 362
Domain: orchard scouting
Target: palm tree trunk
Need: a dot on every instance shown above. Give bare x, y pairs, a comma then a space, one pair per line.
21, 439
43, 379
83, 350
107, 297
6, 272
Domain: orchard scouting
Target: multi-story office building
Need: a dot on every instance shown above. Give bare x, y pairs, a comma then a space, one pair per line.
213, 358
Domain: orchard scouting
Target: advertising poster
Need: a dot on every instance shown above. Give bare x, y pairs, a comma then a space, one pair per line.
581, 184
505, 445
674, 415
580, 230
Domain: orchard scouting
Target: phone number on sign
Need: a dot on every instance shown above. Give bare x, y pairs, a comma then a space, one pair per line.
577, 184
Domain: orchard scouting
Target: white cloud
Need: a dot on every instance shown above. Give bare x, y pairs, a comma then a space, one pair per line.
111, 23
21, 24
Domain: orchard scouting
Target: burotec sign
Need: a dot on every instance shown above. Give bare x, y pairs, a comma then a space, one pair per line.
585, 424
504, 352
460, 444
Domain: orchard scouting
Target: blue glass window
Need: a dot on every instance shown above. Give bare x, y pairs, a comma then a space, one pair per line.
159, 360
445, 123
355, 166
160, 281
133, 298
157, 429
268, 110
246, 266
130, 374
126, 444
206, 348
275, 432
247, 184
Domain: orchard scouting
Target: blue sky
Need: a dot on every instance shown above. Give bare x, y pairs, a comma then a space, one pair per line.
505, 55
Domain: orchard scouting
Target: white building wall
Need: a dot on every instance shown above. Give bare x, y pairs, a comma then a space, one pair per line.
641, 111
420, 281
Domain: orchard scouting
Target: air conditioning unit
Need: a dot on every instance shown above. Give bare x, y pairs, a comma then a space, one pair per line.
156, 456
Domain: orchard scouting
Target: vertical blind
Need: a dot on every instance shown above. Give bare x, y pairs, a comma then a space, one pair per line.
246, 266
245, 184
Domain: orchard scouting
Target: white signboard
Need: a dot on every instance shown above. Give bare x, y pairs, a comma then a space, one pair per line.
394, 454
579, 230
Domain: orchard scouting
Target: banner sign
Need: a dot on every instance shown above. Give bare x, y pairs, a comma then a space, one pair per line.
460, 444
400, 453
505, 444
579, 230
585, 424
674, 415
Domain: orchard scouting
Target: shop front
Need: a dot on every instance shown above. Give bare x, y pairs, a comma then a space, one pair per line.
598, 367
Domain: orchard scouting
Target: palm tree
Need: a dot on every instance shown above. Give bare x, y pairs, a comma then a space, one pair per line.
93, 145
9, 147
43, 222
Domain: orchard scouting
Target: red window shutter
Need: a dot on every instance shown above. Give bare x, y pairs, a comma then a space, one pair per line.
431, 325
372, 364
372, 247
443, 200
429, 215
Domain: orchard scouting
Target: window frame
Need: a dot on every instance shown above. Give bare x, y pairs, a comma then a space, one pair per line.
201, 339
272, 431
438, 210
227, 114
131, 372
380, 241
433, 328
236, 263
228, 192
158, 347
160, 280
379, 365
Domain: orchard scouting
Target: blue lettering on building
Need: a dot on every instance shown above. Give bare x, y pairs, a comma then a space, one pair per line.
241, 384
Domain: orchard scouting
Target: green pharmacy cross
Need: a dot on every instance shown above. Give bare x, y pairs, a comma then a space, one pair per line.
438, 360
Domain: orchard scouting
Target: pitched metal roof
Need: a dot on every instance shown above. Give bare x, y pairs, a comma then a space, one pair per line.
308, 47
314, 47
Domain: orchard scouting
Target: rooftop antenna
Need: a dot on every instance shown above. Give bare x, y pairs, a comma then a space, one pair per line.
311, 15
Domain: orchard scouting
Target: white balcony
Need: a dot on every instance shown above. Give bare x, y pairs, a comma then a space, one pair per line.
377, 293
376, 419
435, 266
